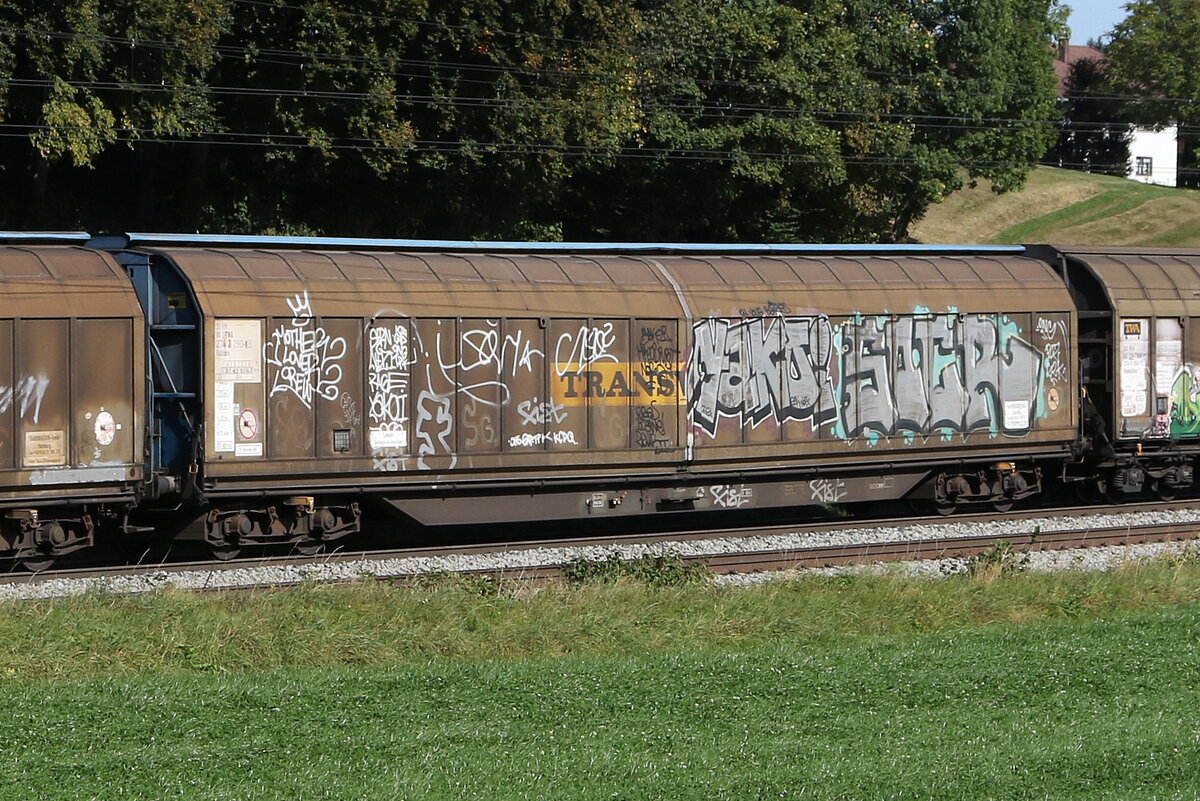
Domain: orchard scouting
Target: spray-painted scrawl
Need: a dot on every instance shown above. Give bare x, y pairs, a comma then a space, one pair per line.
869, 377
305, 357
387, 385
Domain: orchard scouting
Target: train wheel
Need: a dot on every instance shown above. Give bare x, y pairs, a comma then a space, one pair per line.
945, 508
36, 564
1088, 491
310, 547
1113, 495
1165, 490
1002, 504
224, 553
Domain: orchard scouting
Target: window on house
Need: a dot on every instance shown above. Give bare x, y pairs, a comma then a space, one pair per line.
1144, 166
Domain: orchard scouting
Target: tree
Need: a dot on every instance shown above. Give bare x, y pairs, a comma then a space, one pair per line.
1095, 131
786, 120
1152, 55
838, 121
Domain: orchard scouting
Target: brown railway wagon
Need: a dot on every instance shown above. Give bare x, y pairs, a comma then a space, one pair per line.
471, 386
1139, 340
72, 396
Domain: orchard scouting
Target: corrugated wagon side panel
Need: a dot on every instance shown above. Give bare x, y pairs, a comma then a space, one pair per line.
44, 392
8, 396
103, 414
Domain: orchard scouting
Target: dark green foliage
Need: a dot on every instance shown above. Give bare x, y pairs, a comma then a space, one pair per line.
1002, 559
1152, 56
808, 120
666, 570
1095, 132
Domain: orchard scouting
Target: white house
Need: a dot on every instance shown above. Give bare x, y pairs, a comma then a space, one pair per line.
1154, 155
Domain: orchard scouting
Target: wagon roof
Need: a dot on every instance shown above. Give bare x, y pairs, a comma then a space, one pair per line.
63, 281
480, 283
1145, 281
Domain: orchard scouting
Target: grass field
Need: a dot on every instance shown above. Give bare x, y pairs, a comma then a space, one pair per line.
1067, 207
1018, 686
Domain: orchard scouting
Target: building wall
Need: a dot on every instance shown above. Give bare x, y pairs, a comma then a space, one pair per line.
1154, 155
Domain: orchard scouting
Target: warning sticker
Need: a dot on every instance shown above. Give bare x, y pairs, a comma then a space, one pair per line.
45, 448
248, 424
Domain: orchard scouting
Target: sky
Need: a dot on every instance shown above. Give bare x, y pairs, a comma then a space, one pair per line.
1091, 18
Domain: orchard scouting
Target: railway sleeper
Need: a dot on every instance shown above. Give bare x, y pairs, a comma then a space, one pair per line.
35, 541
297, 521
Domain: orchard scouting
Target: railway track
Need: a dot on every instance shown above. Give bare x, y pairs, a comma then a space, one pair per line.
740, 550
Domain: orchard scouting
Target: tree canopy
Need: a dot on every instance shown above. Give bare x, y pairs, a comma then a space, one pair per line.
782, 120
1152, 54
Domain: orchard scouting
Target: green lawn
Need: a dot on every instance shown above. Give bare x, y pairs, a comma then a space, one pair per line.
1067, 207
1076, 686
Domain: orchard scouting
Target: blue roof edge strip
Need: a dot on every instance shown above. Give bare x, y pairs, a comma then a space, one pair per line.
44, 236
211, 240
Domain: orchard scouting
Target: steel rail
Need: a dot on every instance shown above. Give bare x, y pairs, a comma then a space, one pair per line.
720, 563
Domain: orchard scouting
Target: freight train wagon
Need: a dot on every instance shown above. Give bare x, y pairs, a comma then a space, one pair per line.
272, 386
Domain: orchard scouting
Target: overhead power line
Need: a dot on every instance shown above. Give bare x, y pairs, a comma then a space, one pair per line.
387, 65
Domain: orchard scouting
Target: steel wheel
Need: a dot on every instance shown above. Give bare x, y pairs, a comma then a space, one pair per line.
310, 547
223, 553
36, 564
1165, 490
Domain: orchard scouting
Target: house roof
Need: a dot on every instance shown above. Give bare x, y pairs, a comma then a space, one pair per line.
1067, 55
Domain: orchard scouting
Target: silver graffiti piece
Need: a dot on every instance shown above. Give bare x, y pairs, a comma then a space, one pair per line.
911, 375
761, 368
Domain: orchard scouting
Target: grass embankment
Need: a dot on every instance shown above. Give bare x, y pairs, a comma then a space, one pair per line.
1069, 686
1067, 207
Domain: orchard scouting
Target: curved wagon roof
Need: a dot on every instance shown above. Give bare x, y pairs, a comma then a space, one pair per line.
63, 280
1144, 282
252, 276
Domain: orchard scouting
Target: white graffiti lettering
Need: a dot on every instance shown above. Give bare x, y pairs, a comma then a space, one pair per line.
388, 383
1056, 371
481, 347
528, 440
1054, 332
434, 427
305, 357
484, 359
825, 490
575, 351
27, 394
1051, 329
534, 413
731, 496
